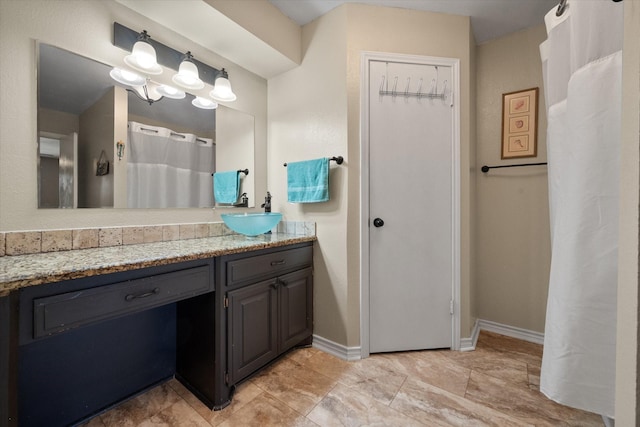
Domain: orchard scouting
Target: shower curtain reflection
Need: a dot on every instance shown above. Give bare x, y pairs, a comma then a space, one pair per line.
168, 169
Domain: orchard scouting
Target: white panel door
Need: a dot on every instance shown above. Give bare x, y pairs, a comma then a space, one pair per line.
411, 148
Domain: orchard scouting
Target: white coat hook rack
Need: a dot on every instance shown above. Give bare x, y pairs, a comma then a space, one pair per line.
432, 94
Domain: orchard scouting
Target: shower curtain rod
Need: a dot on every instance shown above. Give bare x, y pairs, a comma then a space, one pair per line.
562, 6
486, 168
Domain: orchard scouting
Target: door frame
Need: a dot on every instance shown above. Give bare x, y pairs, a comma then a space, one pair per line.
366, 58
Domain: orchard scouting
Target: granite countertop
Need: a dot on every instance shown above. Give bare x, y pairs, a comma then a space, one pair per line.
27, 270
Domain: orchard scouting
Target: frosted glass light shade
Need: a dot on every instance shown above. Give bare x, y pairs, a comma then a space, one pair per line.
188, 76
222, 90
171, 92
143, 58
126, 77
204, 103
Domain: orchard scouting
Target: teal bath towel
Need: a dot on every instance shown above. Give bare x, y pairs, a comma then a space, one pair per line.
226, 186
308, 181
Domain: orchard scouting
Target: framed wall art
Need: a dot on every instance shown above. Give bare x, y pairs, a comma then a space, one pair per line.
520, 124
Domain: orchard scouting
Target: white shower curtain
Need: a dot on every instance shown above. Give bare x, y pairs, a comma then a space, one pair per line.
168, 169
582, 69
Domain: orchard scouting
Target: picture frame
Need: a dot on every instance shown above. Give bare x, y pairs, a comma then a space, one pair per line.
520, 124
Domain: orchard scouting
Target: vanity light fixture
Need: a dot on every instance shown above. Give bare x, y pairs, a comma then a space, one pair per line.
187, 76
143, 56
204, 103
171, 92
192, 74
222, 88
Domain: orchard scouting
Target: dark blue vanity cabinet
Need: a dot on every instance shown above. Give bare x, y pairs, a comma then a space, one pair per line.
88, 343
70, 350
269, 304
8, 360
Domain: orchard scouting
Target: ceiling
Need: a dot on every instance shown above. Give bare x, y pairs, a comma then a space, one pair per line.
489, 18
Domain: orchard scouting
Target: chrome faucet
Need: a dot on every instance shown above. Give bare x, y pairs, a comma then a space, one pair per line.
267, 203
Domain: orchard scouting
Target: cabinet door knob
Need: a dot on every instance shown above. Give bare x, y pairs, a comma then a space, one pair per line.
378, 222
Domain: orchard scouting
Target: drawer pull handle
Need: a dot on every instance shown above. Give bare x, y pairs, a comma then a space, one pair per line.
131, 297
280, 262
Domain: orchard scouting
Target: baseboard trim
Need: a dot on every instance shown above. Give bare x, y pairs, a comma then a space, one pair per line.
338, 350
469, 344
511, 331
466, 344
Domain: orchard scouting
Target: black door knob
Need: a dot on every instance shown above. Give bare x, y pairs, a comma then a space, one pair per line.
378, 222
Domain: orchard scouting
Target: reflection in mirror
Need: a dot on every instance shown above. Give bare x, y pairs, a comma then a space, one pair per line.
82, 113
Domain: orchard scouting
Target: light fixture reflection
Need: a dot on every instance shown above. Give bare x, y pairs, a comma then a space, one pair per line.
204, 103
143, 56
188, 76
222, 88
171, 92
148, 93
126, 77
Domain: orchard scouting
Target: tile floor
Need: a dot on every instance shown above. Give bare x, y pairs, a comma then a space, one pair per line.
495, 385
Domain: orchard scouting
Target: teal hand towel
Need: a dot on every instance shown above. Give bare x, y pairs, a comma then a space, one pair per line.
226, 186
308, 181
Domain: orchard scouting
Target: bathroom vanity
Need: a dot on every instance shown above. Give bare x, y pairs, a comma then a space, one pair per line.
209, 312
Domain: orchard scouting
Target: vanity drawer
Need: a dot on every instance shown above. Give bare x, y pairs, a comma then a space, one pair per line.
257, 267
64, 311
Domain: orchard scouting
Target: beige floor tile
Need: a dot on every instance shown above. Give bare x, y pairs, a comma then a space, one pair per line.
135, 411
513, 348
494, 363
345, 407
432, 367
497, 385
523, 403
180, 414
504, 343
243, 395
327, 364
299, 388
374, 377
265, 411
434, 406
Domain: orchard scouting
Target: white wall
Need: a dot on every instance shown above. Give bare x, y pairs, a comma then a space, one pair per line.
513, 239
308, 119
96, 136
85, 27
627, 355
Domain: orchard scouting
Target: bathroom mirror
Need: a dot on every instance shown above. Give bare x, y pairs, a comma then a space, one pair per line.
82, 116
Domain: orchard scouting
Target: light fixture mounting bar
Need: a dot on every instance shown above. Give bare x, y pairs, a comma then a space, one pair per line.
125, 38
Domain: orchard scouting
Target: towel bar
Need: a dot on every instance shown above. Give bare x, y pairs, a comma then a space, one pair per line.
339, 160
486, 168
244, 171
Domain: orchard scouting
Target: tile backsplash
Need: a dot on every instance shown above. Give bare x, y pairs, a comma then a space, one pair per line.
32, 242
